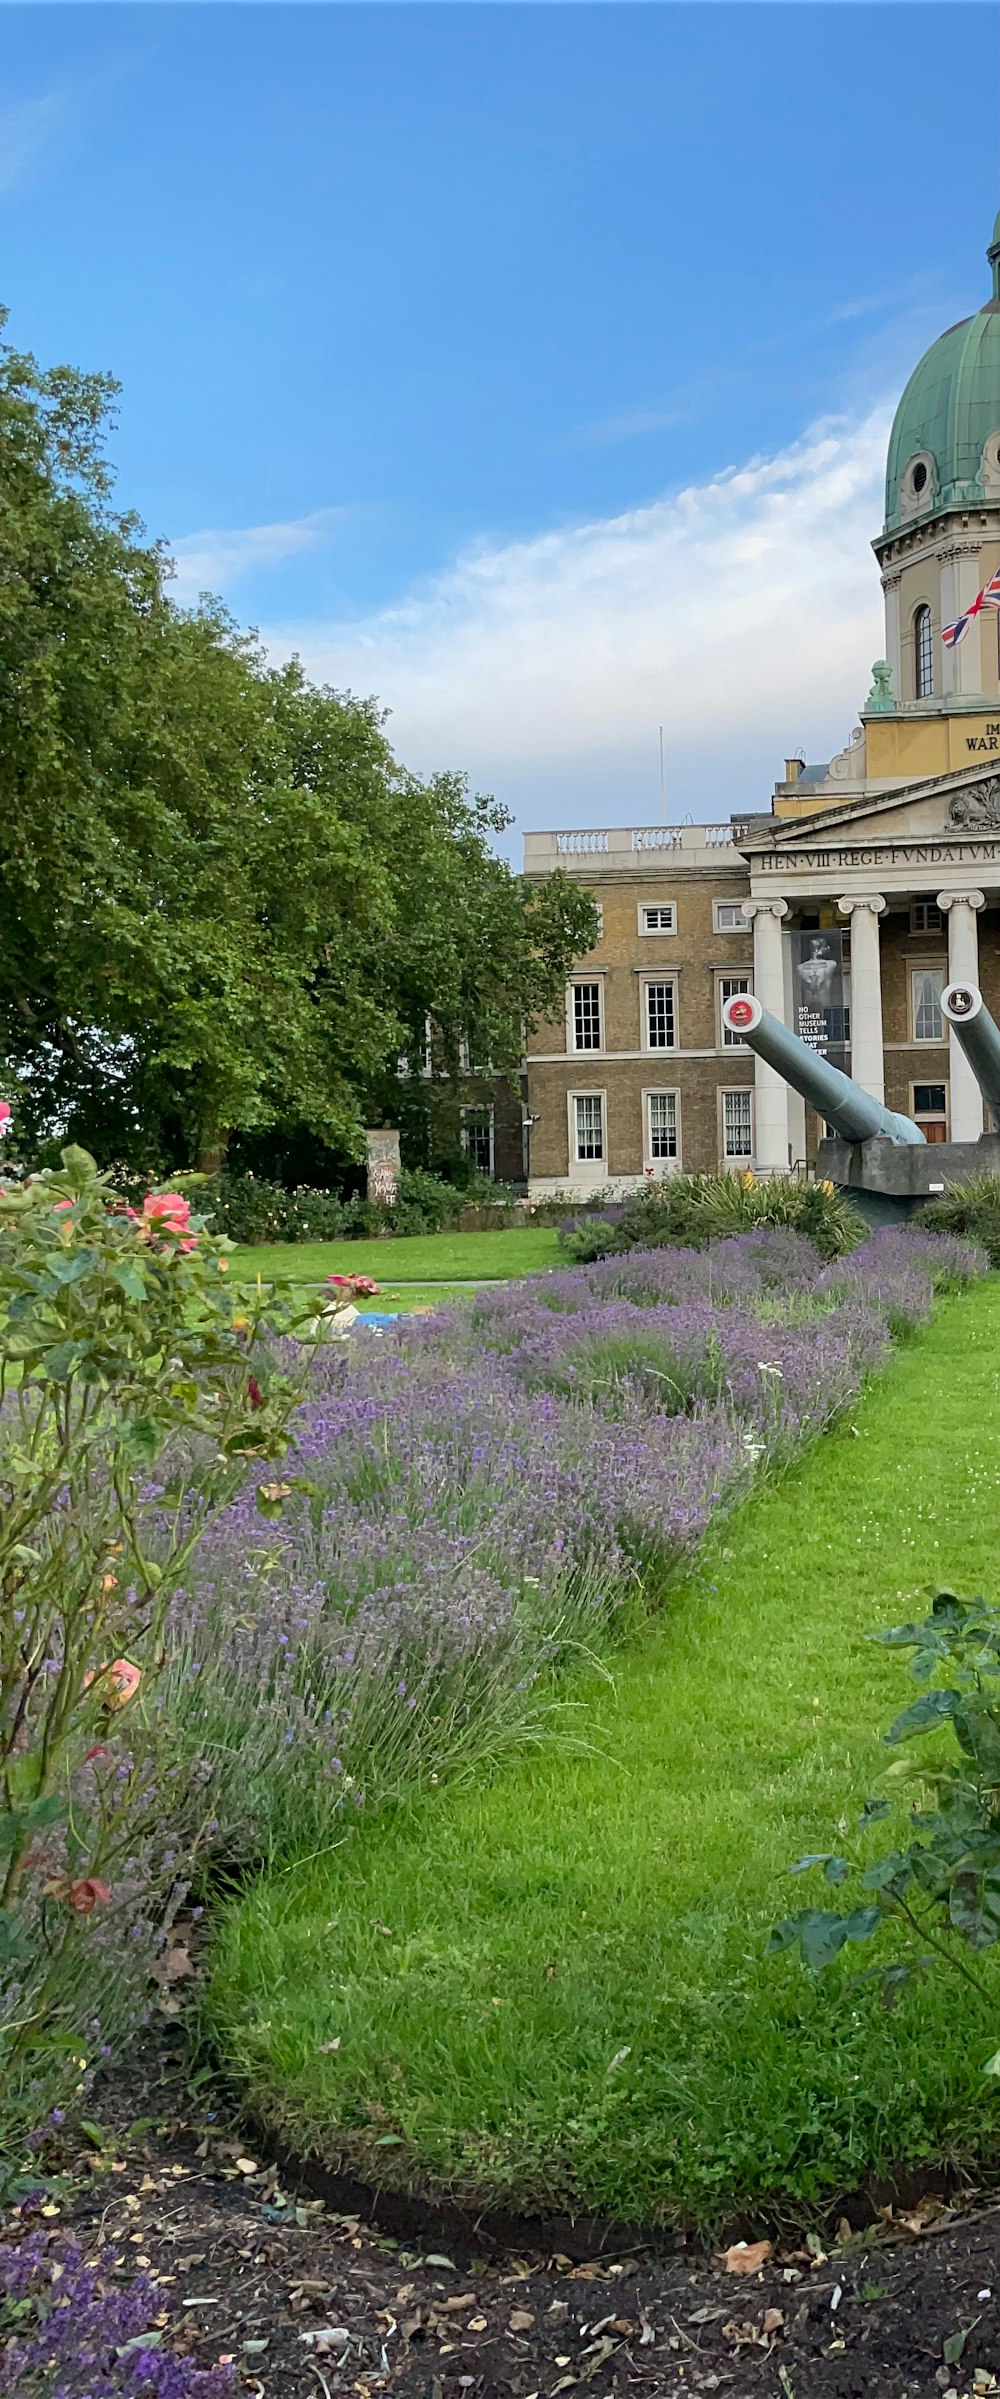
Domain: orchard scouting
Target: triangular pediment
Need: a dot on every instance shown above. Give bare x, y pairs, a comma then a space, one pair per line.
946, 807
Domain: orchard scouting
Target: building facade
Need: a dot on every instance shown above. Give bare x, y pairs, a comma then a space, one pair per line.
866, 885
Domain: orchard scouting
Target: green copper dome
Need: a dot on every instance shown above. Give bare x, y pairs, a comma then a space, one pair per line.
949, 408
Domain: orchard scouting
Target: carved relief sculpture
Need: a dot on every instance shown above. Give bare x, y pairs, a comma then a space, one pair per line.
978, 807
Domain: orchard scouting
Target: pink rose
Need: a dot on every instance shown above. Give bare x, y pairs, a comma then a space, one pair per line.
167, 1205
4, 1112
85, 1894
120, 1682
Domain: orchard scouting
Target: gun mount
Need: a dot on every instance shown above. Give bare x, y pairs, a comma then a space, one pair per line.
854, 1115
964, 1007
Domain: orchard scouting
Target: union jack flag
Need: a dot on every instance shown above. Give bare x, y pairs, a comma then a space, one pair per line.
989, 597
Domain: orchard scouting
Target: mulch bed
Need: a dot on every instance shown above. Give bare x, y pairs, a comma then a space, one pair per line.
310, 2301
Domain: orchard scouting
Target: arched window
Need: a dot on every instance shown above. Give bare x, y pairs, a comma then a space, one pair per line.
923, 654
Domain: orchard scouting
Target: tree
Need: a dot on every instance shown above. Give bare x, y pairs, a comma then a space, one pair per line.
223, 904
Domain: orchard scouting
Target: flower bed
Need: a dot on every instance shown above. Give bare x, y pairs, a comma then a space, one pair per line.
488, 1489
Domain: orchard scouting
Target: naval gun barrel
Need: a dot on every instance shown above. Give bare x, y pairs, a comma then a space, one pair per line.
965, 1008
852, 1112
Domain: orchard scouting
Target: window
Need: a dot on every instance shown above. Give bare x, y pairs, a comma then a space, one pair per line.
588, 1112
927, 984
729, 988
662, 1125
923, 654
586, 1016
930, 1110
729, 917
925, 917
737, 1126
919, 476
660, 919
477, 1138
661, 1016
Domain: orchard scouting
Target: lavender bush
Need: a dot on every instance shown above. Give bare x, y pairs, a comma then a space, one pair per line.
78, 2338
492, 1491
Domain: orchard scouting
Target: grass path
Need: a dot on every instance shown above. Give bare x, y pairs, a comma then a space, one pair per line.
572, 2002
416, 1258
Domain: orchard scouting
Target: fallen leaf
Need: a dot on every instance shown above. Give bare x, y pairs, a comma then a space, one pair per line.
521, 2320
745, 2257
951, 2349
247, 2165
172, 1966
773, 2319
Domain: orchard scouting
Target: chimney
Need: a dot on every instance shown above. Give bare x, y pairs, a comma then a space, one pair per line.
794, 767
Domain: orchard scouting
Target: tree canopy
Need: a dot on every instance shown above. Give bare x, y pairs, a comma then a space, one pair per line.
224, 905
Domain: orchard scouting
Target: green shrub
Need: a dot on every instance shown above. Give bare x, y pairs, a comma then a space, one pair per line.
248, 1208
699, 1208
972, 1208
940, 1887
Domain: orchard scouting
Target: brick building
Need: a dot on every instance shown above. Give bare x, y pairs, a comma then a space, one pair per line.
866, 884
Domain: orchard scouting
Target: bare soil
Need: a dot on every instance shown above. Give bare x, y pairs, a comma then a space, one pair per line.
310, 2297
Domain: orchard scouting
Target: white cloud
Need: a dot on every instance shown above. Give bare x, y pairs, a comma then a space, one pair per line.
742, 614
212, 560
25, 127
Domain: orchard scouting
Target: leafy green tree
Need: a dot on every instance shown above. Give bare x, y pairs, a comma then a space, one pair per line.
223, 904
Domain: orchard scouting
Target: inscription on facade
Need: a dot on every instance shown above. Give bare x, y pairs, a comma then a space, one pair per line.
989, 739
889, 853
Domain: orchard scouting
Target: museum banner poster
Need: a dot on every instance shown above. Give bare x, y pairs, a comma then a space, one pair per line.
819, 995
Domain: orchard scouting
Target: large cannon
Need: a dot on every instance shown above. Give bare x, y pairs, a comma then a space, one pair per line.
965, 1008
852, 1112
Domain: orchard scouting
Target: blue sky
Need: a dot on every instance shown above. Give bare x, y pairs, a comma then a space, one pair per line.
528, 365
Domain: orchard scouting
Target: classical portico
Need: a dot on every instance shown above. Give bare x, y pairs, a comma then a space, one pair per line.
913, 874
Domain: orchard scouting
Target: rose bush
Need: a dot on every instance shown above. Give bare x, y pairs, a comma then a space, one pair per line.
128, 1420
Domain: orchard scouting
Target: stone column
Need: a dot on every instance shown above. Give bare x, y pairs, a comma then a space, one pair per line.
961, 909
968, 657
867, 1061
893, 645
947, 660
770, 1088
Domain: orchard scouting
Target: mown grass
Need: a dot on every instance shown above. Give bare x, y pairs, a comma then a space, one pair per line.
414, 1258
554, 1989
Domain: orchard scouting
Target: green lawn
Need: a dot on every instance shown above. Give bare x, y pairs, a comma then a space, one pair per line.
419, 1258
572, 2003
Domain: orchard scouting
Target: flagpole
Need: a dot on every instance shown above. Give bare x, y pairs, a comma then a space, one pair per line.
663, 785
